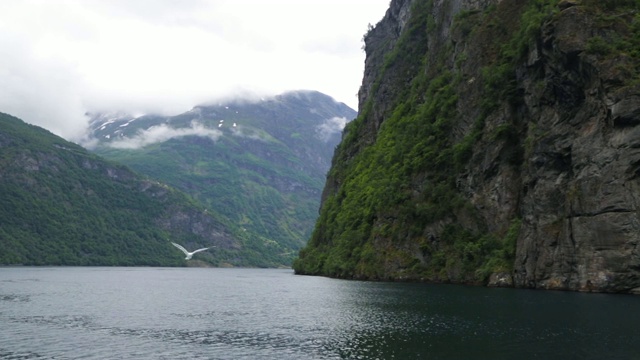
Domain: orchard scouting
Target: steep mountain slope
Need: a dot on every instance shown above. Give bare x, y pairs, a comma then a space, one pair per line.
496, 144
62, 205
261, 164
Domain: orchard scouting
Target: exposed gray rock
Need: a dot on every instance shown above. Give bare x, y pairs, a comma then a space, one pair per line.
580, 200
502, 279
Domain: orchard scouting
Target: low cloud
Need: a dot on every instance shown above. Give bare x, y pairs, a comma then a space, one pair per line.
162, 133
330, 127
62, 59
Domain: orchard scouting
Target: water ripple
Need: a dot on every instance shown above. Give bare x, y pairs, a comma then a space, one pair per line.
213, 339
15, 298
22, 355
60, 321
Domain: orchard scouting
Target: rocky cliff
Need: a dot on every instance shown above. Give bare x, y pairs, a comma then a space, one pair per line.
497, 143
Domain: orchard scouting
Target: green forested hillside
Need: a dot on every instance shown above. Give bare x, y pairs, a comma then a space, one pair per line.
61, 205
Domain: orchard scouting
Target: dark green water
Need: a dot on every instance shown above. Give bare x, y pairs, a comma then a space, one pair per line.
169, 313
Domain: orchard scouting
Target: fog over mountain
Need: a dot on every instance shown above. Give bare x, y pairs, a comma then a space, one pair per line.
62, 59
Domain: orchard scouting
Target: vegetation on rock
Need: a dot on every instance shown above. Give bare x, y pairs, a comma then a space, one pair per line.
445, 117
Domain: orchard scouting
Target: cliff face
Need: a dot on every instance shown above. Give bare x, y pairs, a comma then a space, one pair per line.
497, 143
579, 187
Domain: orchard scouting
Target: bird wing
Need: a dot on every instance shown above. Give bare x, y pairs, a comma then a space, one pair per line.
203, 249
181, 248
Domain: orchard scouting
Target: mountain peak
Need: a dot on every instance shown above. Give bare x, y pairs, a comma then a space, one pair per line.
261, 163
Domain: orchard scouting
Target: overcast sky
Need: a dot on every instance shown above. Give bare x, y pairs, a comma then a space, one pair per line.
60, 59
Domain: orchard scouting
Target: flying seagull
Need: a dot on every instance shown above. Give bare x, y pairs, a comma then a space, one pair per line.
189, 254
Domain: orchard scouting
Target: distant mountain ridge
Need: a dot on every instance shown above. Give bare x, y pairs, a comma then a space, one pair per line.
260, 163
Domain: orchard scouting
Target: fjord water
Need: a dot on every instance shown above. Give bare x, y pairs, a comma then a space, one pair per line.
195, 313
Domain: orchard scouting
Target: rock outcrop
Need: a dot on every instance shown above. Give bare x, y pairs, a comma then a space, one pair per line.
510, 133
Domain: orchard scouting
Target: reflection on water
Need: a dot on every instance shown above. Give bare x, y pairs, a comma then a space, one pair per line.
145, 313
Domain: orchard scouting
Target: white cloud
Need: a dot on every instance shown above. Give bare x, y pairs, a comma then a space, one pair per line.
161, 133
60, 59
39, 89
330, 127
